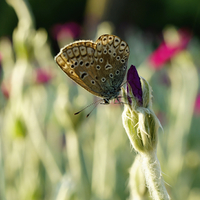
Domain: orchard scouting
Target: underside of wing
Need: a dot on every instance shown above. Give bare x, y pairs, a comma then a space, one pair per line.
76, 60
111, 58
99, 67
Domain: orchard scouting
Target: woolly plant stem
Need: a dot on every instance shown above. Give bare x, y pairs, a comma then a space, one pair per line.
153, 176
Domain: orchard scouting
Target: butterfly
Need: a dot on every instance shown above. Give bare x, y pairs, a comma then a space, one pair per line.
99, 67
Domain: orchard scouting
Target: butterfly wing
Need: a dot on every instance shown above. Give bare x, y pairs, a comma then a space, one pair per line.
111, 57
77, 61
98, 67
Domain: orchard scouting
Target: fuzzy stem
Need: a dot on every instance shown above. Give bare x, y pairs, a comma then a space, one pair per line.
153, 175
137, 182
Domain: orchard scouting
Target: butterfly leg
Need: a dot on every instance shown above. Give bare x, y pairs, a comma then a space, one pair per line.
119, 102
105, 101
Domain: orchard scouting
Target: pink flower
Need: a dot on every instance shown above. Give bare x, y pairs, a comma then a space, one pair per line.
70, 29
43, 76
166, 51
197, 105
0, 63
5, 89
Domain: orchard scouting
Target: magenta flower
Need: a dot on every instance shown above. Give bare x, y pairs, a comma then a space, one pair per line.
197, 105
134, 81
0, 65
43, 76
70, 29
165, 51
5, 89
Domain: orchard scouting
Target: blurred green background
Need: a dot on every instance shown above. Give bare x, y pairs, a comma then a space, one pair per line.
48, 153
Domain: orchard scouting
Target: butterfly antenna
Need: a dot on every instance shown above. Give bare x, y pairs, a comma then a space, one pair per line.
96, 104
87, 107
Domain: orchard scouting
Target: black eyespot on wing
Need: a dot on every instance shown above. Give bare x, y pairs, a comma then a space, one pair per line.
103, 79
117, 72
87, 64
111, 75
108, 66
118, 58
83, 75
98, 67
101, 60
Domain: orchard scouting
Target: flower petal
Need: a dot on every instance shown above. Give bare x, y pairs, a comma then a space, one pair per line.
134, 80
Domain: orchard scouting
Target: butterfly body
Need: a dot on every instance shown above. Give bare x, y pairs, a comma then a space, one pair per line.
99, 67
